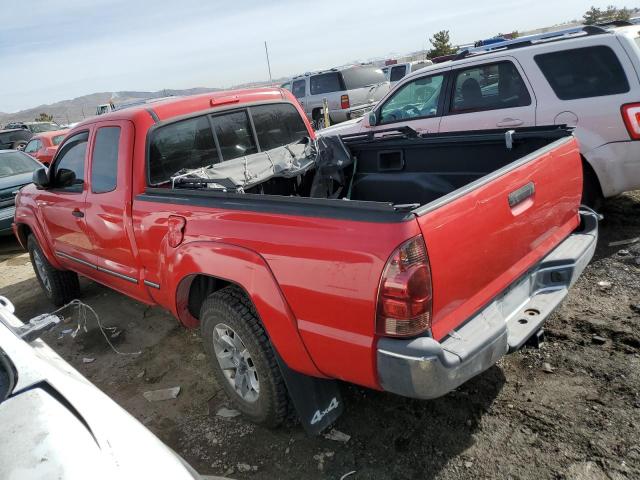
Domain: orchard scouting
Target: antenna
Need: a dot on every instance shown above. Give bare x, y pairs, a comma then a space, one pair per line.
266, 51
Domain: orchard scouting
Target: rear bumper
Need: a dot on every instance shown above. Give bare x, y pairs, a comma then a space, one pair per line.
342, 115
424, 368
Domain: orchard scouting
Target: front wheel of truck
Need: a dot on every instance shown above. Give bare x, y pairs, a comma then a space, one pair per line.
242, 357
60, 286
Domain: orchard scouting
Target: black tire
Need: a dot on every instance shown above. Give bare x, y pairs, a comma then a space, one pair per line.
318, 123
60, 286
591, 191
230, 307
19, 145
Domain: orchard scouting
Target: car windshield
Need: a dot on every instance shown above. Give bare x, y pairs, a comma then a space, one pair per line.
43, 127
15, 163
359, 77
57, 139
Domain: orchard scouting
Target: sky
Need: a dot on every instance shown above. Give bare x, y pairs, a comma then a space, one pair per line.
58, 50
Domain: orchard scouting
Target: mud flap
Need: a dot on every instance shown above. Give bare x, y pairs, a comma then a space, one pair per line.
317, 401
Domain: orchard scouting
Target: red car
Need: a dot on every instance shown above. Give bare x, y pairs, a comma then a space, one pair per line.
43, 146
399, 262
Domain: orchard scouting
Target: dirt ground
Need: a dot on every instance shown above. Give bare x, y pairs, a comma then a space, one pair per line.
577, 417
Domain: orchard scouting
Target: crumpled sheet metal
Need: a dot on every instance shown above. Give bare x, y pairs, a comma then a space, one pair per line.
245, 172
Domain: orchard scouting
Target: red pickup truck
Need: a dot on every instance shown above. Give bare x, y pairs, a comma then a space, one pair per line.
398, 262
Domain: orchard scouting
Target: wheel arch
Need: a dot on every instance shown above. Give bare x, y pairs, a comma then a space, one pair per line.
24, 229
591, 180
201, 268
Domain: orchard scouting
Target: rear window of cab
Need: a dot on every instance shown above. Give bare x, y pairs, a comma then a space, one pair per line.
583, 72
209, 139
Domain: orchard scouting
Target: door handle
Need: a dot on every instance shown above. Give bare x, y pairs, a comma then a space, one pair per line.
77, 213
522, 198
509, 122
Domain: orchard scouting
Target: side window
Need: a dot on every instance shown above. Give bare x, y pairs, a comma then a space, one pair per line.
583, 72
182, 145
277, 125
69, 168
397, 73
325, 83
104, 163
234, 134
32, 147
416, 99
489, 87
298, 88
286, 86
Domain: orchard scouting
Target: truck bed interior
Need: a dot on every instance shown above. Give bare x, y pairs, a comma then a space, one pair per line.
400, 168
405, 169
422, 169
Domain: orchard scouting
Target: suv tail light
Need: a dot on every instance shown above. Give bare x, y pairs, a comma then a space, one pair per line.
344, 101
405, 295
631, 117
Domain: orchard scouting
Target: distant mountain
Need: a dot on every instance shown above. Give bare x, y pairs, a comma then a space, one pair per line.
69, 111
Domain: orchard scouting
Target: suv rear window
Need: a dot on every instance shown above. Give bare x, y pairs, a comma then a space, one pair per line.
397, 73
298, 88
583, 72
325, 83
489, 87
360, 77
277, 125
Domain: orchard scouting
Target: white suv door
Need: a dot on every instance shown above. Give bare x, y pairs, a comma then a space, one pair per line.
417, 103
488, 95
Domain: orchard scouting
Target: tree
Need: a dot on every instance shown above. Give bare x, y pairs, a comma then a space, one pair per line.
441, 44
44, 117
592, 16
611, 13
624, 14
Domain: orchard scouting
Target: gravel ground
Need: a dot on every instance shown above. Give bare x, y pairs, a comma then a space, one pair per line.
568, 410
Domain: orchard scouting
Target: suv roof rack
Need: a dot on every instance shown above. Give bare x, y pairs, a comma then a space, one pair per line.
533, 39
615, 23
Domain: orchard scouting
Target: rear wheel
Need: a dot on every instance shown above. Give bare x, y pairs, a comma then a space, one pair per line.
60, 286
318, 123
19, 145
242, 357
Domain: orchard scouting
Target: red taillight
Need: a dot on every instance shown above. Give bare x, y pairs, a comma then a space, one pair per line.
404, 296
631, 117
344, 101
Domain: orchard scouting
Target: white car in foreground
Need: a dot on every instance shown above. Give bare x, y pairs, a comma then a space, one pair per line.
55, 424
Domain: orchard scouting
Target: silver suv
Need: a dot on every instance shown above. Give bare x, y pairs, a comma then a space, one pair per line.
350, 91
585, 77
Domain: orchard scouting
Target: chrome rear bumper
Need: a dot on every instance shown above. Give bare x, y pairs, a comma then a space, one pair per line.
424, 368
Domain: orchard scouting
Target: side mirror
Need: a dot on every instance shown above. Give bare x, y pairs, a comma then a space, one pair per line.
371, 119
40, 178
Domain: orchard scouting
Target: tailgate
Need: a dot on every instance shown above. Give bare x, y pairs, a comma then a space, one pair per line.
481, 238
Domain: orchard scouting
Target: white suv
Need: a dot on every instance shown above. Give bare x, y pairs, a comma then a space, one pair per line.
585, 77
